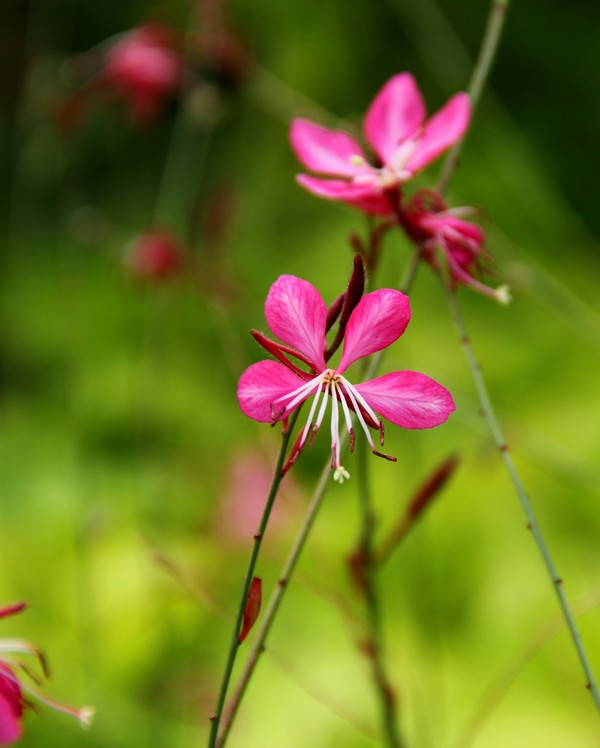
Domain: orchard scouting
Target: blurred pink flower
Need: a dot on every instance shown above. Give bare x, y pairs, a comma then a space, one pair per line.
395, 128
12, 701
155, 255
11, 706
269, 391
247, 485
142, 67
439, 229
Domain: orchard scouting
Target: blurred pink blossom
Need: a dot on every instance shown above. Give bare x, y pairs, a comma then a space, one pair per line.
155, 255
269, 391
247, 485
403, 141
440, 230
142, 67
12, 700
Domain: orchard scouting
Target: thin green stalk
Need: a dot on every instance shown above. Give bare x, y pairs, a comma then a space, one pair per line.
532, 524
367, 582
258, 538
258, 646
481, 71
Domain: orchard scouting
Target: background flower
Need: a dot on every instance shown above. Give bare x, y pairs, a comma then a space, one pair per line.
401, 137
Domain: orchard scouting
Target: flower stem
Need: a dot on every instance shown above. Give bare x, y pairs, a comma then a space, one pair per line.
532, 524
366, 569
258, 538
481, 71
258, 646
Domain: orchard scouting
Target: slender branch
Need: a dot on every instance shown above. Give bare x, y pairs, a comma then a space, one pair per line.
258, 646
481, 71
365, 573
258, 538
532, 524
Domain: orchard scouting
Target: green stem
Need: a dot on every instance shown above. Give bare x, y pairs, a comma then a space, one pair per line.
258, 646
258, 538
481, 71
368, 585
532, 524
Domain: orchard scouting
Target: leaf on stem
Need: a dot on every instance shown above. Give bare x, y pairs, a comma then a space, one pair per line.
252, 608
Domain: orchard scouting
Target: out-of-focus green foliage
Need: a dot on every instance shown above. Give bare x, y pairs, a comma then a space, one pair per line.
119, 428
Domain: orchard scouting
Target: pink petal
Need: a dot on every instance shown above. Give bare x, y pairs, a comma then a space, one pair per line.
436, 222
326, 151
260, 385
11, 708
377, 321
394, 115
297, 314
366, 197
408, 399
441, 131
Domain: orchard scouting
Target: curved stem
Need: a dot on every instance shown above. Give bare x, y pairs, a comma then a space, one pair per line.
481, 71
366, 579
532, 524
258, 538
258, 646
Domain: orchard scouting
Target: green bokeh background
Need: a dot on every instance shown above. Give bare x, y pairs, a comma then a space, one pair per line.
119, 426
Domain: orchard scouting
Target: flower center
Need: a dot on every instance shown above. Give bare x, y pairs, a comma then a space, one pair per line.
342, 392
394, 171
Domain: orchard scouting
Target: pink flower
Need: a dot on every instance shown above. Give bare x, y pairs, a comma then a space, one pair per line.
395, 128
439, 229
269, 391
248, 479
12, 701
11, 706
142, 67
155, 255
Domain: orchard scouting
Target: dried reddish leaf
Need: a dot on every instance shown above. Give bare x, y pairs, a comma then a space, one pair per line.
252, 608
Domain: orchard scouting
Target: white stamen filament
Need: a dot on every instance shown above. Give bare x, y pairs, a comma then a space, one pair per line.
346, 410
330, 384
321, 415
335, 433
298, 395
311, 413
354, 399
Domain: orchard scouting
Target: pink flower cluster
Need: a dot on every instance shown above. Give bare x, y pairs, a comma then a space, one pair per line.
404, 142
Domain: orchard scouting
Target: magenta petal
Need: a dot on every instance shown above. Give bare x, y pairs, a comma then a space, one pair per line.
377, 321
11, 708
441, 131
261, 385
366, 197
408, 399
394, 115
326, 151
297, 314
